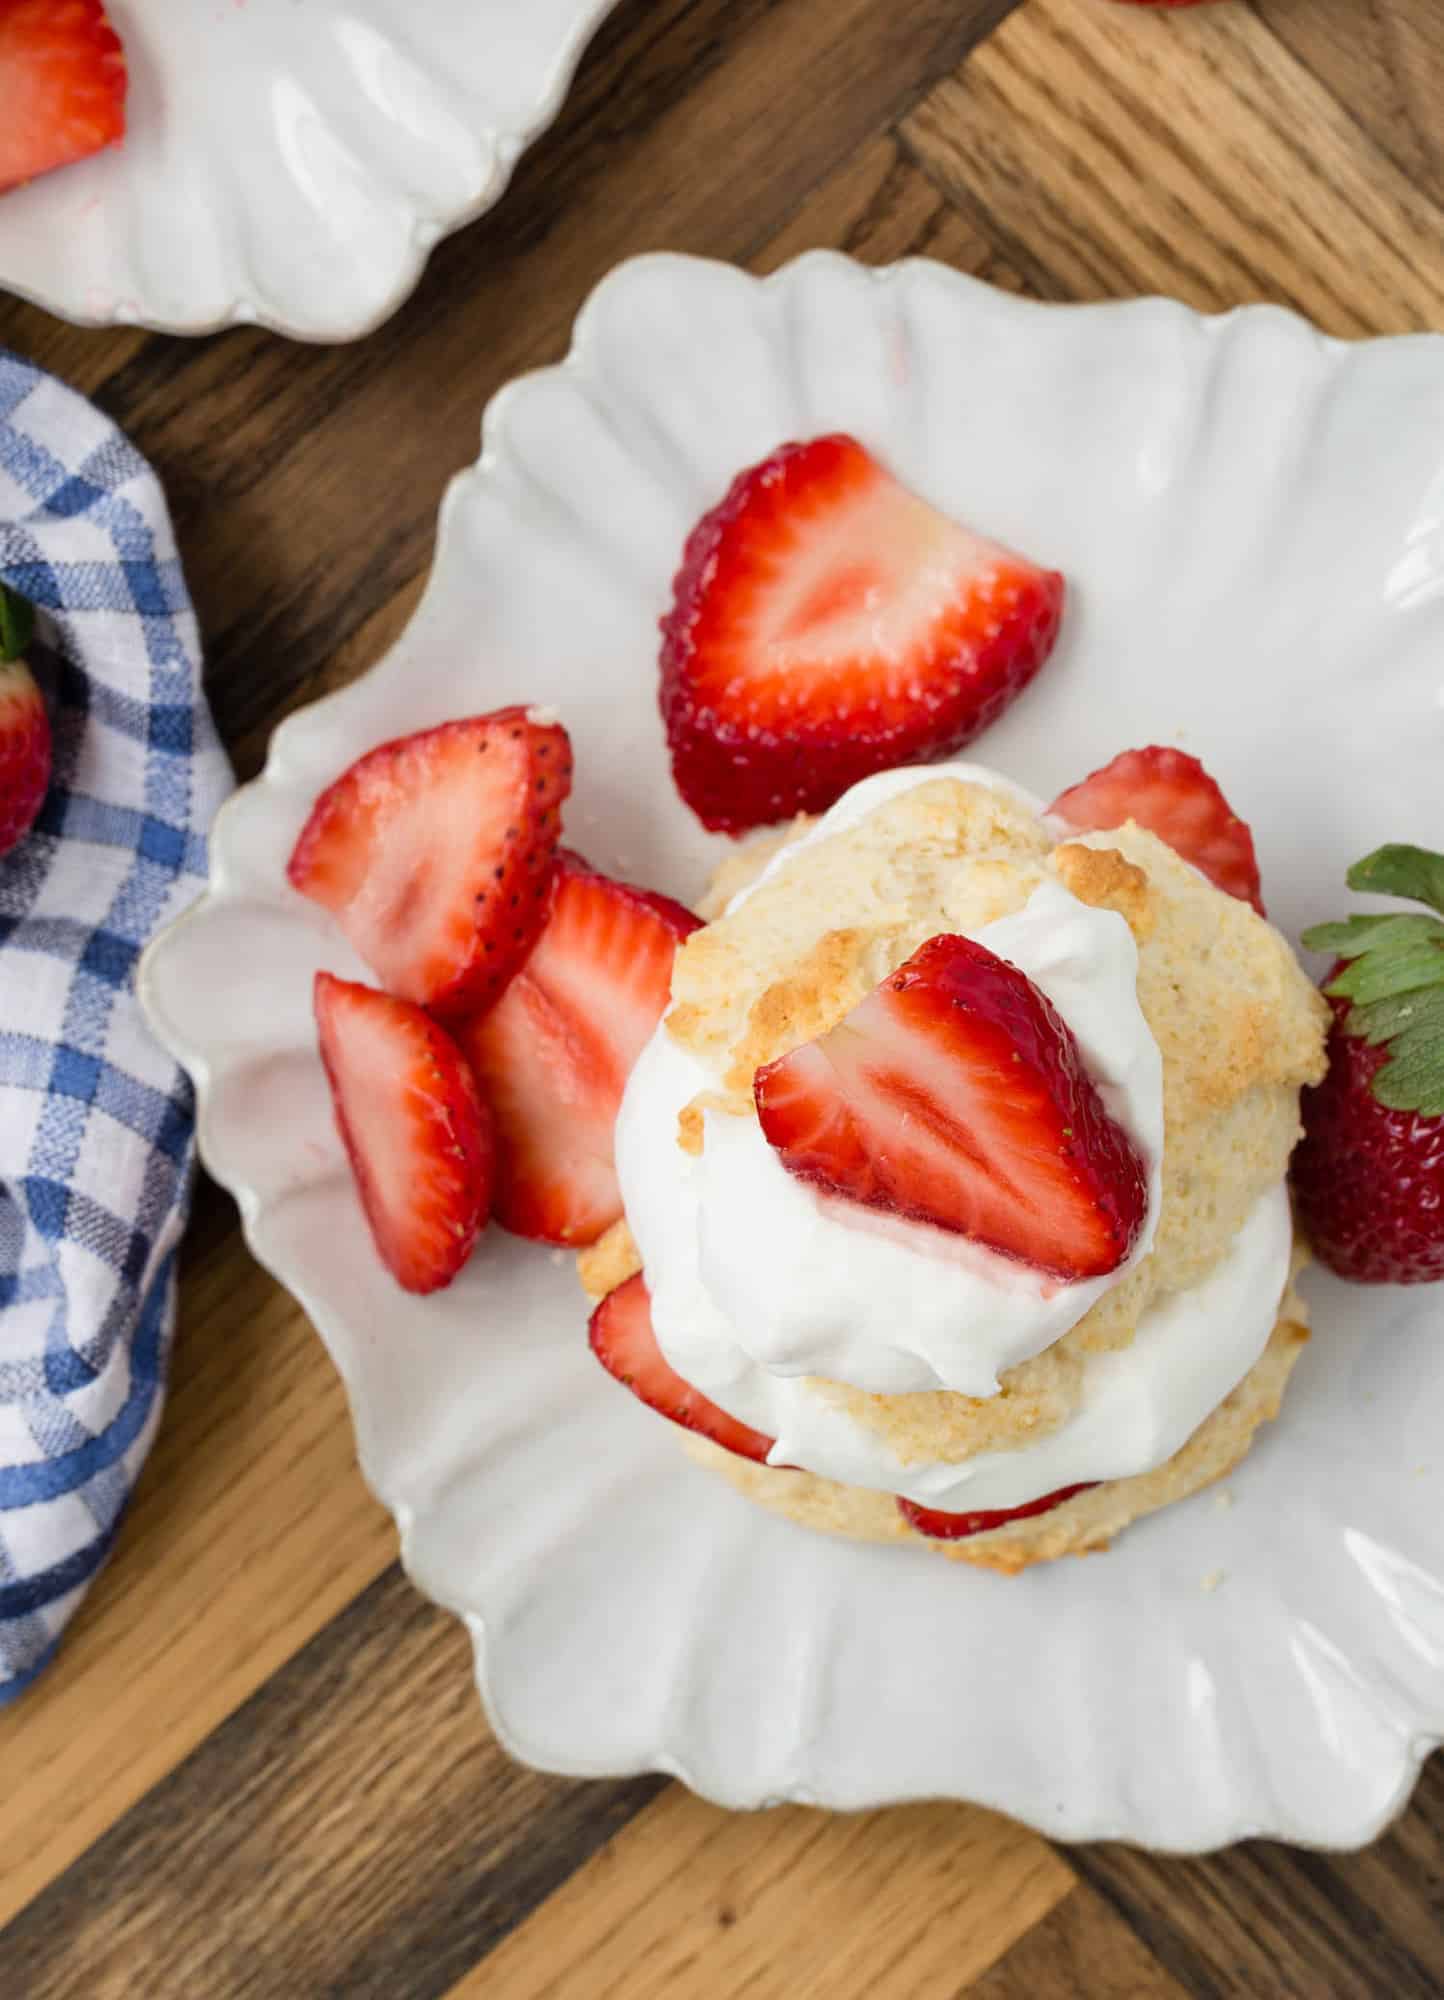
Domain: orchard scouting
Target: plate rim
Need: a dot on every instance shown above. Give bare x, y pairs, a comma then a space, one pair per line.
1065, 1824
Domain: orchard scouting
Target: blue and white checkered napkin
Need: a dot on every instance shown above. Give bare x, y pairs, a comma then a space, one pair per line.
96, 1121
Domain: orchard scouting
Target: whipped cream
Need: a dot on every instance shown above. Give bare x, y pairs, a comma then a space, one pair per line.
758, 1281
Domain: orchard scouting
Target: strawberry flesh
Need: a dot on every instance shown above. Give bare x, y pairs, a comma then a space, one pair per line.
956, 1095
1368, 1181
1170, 794
623, 1341
414, 1126
62, 85
435, 853
24, 752
942, 1527
826, 623
553, 1056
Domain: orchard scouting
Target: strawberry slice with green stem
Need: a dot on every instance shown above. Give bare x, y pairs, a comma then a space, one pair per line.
434, 853
1368, 1175
1169, 793
62, 86
415, 1129
956, 1095
623, 1340
827, 623
553, 1056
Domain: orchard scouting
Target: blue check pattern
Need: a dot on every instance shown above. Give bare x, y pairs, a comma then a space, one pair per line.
96, 1122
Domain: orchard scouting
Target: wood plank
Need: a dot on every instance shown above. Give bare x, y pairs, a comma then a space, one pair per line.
251, 1527
688, 1902
879, 207
1384, 61
1113, 151
1080, 1949
364, 1836
1265, 1919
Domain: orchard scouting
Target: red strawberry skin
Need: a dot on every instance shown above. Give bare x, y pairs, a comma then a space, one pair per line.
827, 624
554, 1054
415, 1129
623, 1341
941, 1527
1368, 1182
24, 752
956, 1095
435, 852
1170, 794
62, 85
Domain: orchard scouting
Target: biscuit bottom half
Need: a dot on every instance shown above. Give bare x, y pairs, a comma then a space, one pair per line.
1087, 1522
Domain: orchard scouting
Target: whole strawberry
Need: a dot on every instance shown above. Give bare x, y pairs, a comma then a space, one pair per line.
1369, 1173
24, 727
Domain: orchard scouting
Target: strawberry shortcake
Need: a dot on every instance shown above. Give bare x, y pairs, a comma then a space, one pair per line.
954, 1176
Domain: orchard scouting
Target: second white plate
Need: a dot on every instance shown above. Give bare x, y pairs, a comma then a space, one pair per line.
291, 165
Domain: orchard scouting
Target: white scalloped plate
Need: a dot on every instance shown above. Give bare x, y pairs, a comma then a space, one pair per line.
292, 165
1252, 521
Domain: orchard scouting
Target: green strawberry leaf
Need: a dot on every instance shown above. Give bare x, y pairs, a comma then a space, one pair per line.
1357, 933
1381, 1020
1394, 975
1413, 1077
17, 622
1377, 974
1399, 870
1361, 934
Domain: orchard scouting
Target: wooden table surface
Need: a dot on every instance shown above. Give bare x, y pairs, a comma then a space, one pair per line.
258, 1767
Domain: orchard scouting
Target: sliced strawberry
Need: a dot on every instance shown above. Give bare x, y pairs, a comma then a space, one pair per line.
418, 1136
553, 1056
955, 1094
826, 624
24, 727
1170, 794
435, 854
62, 85
623, 1341
941, 1527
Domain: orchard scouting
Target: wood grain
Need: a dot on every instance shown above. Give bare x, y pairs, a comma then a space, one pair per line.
258, 1768
1081, 1948
1273, 1920
339, 1860
688, 1902
1384, 64
1259, 184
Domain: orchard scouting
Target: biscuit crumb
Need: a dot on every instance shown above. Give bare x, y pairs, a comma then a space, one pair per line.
1223, 1501
1103, 878
689, 1129
608, 1262
796, 1009
1211, 1580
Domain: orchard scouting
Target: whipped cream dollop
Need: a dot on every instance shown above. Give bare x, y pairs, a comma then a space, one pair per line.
757, 1281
